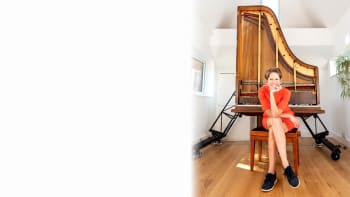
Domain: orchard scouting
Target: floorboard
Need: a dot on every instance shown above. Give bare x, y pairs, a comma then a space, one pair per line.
223, 170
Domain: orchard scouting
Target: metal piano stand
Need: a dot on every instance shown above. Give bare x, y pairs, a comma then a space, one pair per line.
217, 135
321, 137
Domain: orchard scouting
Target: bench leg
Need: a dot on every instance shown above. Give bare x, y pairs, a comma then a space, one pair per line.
296, 156
260, 149
252, 152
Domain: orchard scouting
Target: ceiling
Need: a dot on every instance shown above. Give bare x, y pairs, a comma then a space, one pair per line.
211, 14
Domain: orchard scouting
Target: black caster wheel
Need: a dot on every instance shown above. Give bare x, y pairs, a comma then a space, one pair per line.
318, 141
335, 156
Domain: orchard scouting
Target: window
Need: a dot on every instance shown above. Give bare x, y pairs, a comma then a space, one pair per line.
332, 67
198, 67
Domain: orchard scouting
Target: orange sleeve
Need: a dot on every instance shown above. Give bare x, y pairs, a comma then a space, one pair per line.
283, 104
264, 101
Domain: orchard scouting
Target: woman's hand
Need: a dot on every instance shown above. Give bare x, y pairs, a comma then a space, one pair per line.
275, 88
295, 121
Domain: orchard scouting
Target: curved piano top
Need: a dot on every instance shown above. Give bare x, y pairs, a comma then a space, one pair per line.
261, 45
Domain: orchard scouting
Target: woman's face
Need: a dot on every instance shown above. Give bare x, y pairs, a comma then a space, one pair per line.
274, 80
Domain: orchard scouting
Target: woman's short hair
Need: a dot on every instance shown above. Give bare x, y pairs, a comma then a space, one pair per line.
273, 70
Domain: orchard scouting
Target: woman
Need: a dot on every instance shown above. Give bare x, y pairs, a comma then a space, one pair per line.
278, 118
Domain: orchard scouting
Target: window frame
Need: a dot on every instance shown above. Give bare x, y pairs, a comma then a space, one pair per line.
198, 67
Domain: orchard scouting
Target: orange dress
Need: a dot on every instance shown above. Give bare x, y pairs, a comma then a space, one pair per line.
282, 98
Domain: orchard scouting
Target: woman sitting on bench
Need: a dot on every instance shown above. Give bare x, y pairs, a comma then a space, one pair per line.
278, 119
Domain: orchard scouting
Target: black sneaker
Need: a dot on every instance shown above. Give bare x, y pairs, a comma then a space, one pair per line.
269, 183
292, 178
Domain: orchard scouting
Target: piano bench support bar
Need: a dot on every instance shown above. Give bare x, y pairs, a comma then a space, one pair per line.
321, 137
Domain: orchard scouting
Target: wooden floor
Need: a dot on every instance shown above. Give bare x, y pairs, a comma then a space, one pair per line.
223, 170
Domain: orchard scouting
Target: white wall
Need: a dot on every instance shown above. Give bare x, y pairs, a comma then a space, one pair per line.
203, 106
341, 115
202, 116
225, 62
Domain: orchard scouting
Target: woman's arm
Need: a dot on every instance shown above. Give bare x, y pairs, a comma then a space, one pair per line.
275, 111
292, 118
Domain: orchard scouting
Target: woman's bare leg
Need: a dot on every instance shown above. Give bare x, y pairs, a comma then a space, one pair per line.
272, 153
278, 131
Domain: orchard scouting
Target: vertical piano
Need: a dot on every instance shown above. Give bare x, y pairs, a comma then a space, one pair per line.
261, 45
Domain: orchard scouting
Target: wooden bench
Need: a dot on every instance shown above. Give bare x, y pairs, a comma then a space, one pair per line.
261, 134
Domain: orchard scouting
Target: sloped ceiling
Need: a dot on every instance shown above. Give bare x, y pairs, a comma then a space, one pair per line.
209, 14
